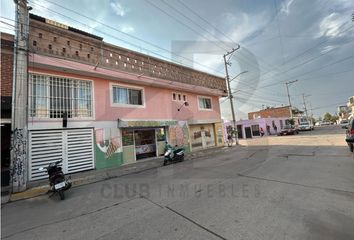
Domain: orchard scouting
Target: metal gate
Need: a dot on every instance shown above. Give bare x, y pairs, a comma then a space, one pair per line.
73, 146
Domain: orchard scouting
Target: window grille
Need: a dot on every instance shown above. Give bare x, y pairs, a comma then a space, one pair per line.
52, 97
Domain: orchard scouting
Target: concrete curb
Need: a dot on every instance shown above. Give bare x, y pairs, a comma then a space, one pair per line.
41, 187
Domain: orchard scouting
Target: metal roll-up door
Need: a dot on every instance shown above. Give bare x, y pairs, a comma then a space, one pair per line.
79, 150
73, 146
45, 147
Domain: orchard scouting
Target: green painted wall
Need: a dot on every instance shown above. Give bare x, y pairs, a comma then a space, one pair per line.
128, 154
101, 162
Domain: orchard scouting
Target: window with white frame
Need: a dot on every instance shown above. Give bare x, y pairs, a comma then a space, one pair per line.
204, 103
53, 97
124, 95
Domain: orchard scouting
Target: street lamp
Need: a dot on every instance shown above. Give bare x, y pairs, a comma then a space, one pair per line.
184, 104
238, 75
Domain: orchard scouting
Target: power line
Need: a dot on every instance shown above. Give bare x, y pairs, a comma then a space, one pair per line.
303, 53
127, 34
215, 28
190, 28
89, 44
182, 23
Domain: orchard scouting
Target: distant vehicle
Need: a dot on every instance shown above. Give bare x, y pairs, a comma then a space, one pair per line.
325, 123
318, 123
305, 126
344, 123
288, 130
350, 135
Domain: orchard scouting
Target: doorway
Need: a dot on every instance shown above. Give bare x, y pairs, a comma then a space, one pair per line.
5, 154
145, 143
239, 132
248, 132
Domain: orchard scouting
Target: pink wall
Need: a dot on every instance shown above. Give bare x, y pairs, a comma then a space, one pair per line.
158, 102
158, 105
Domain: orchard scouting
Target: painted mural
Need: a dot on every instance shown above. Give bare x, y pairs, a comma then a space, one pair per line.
108, 149
219, 134
179, 134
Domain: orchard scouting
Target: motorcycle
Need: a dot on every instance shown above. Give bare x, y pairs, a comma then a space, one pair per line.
173, 155
58, 183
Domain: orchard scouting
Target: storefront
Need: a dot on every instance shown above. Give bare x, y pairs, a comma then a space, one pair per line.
146, 139
143, 142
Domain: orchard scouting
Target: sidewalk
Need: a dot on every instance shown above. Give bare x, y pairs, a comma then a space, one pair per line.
41, 187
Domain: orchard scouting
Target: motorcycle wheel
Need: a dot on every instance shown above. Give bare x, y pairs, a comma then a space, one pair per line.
61, 194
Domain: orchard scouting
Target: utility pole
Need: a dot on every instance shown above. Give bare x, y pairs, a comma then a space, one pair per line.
19, 147
287, 90
227, 63
304, 102
311, 110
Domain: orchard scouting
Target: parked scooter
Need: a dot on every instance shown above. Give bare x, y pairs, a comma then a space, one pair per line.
173, 155
57, 181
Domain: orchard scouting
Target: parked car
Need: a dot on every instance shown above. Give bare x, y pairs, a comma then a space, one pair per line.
350, 135
325, 123
288, 130
344, 123
305, 126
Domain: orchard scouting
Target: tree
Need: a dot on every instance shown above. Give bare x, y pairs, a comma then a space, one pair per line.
334, 118
291, 121
327, 117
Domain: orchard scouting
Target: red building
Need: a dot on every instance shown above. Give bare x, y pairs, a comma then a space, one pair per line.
270, 112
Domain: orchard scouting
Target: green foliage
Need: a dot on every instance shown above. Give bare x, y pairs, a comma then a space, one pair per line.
327, 117
334, 118
291, 121
330, 118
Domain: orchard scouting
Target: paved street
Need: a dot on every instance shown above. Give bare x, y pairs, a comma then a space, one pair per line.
290, 187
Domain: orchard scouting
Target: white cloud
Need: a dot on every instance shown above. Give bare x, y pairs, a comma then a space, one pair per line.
246, 25
331, 25
328, 48
118, 8
127, 29
285, 7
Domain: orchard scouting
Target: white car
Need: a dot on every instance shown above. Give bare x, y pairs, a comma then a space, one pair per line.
344, 123
304, 126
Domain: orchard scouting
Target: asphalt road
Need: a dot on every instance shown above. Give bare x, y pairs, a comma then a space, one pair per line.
290, 187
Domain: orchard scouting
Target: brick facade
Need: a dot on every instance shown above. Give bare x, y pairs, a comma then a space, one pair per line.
7, 44
279, 112
53, 39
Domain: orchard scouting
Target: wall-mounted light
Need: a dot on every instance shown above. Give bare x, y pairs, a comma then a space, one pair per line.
184, 104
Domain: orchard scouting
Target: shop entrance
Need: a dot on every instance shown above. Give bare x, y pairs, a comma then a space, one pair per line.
145, 143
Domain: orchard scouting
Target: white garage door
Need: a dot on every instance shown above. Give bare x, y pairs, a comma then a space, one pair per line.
73, 146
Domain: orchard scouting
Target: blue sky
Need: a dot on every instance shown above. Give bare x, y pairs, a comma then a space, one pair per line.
311, 41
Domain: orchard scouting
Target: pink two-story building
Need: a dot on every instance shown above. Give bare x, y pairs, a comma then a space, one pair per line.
96, 105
